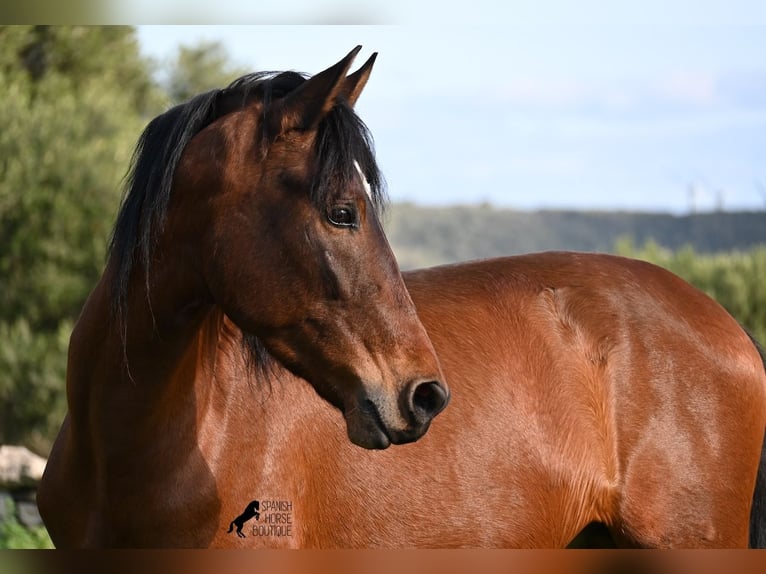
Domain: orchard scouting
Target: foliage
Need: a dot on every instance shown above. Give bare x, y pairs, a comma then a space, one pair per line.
32, 374
74, 101
200, 68
16, 536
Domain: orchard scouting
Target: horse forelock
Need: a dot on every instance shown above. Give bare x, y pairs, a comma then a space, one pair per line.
345, 150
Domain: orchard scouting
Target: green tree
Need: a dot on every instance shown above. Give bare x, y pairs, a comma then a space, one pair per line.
75, 99
197, 69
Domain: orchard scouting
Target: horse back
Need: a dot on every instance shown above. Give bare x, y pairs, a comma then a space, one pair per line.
596, 306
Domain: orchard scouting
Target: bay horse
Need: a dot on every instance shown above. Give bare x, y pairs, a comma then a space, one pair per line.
252, 331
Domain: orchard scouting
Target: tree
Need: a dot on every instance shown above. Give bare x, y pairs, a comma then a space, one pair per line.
75, 100
200, 68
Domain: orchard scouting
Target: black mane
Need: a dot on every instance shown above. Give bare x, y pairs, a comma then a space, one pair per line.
342, 138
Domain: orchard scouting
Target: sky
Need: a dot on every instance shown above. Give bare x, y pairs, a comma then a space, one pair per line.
659, 109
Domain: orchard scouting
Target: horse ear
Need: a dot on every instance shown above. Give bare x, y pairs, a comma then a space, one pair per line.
304, 107
354, 84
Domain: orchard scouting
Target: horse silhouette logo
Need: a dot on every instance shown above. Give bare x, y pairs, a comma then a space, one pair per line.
251, 510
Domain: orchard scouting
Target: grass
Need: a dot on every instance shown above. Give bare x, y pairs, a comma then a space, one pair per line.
14, 535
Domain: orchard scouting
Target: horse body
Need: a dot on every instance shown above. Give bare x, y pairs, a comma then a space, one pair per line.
586, 388
560, 417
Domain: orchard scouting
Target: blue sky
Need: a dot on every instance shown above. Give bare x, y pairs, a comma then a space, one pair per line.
528, 112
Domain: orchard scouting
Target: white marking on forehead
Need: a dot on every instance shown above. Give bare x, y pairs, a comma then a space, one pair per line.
365, 183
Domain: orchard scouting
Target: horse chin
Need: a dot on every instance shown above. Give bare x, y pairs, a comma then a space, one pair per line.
369, 439
366, 430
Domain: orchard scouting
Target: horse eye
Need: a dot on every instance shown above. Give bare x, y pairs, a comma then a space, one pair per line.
342, 216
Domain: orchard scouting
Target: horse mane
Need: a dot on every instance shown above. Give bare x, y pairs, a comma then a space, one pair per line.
342, 139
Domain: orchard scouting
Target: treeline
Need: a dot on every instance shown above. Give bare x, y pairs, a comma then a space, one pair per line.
75, 100
431, 235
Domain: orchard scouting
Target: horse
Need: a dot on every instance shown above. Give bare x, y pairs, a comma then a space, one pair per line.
252, 337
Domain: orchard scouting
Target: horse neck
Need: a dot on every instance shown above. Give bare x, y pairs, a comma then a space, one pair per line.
146, 352
163, 319
140, 431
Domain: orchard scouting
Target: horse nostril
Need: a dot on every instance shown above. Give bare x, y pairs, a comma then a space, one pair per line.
428, 400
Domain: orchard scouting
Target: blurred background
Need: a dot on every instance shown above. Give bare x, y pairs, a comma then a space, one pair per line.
512, 135
662, 118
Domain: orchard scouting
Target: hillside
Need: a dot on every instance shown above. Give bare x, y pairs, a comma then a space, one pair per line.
423, 236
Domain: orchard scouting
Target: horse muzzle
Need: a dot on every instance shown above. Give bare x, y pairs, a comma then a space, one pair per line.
377, 421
